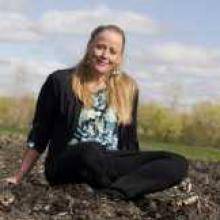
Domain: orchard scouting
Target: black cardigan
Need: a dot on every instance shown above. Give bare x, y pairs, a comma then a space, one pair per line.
56, 117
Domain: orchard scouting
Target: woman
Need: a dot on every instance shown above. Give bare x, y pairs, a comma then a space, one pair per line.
86, 115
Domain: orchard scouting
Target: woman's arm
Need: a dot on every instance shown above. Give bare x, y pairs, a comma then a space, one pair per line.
29, 159
40, 132
44, 116
134, 142
128, 138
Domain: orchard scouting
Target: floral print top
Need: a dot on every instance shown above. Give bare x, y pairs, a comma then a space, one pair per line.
98, 124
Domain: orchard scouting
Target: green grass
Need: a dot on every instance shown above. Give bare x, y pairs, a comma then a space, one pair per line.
11, 130
190, 152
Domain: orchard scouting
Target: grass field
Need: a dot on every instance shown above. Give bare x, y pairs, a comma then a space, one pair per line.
11, 130
191, 152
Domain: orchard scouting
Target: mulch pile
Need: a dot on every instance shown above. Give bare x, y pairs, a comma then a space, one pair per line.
196, 198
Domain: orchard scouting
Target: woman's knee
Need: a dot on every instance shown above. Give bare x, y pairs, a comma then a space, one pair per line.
172, 165
179, 165
179, 159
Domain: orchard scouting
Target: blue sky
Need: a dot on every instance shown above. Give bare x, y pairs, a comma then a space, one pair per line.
173, 46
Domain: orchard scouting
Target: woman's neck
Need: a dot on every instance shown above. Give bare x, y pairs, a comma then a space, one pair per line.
96, 83
98, 78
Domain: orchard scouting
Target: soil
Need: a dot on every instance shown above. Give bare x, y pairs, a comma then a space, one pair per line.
196, 198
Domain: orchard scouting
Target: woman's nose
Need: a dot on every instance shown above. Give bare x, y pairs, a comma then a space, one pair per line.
105, 54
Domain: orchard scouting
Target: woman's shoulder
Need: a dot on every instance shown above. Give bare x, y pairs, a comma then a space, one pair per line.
59, 81
61, 74
129, 79
60, 78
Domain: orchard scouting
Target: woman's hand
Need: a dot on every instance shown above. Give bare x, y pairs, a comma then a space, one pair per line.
14, 180
29, 159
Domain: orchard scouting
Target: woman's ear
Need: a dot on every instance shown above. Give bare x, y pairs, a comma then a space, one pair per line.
120, 60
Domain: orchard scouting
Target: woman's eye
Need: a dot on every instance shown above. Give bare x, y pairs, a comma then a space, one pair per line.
100, 46
112, 51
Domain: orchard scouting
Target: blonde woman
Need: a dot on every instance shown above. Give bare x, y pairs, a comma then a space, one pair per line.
86, 116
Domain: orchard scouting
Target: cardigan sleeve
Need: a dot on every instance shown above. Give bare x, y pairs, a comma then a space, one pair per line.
128, 139
42, 124
133, 137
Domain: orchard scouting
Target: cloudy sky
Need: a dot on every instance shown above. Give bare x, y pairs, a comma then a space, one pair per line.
173, 46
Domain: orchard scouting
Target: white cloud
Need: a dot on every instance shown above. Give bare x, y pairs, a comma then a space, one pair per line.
176, 53
15, 27
13, 5
83, 21
178, 59
34, 67
4, 62
195, 69
22, 76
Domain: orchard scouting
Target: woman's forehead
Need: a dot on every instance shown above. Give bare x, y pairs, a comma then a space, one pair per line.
111, 37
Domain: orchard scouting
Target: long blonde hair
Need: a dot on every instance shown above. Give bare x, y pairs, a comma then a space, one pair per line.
121, 88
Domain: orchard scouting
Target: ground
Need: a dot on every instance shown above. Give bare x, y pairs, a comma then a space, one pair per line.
197, 198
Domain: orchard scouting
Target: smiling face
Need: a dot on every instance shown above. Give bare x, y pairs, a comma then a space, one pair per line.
105, 51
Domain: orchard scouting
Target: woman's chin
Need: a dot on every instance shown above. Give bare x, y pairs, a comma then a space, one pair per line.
101, 70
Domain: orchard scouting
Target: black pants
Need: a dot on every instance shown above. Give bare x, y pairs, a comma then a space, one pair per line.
131, 173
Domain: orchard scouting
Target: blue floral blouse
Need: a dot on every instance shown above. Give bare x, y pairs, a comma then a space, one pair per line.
98, 123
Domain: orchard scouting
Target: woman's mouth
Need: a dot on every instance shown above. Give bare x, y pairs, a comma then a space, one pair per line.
102, 62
